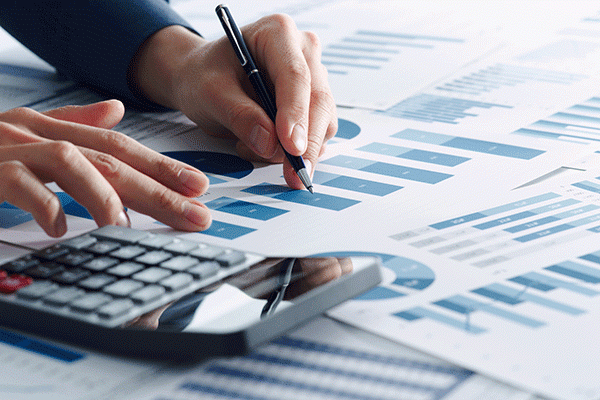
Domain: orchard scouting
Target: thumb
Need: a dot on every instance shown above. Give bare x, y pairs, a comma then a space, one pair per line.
104, 114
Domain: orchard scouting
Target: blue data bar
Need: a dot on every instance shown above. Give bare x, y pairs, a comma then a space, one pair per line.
354, 184
508, 295
430, 157
36, 346
589, 186
475, 145
224, 230
396, 35
558, 228
494, 211
545, 220
245, 209
319, 200
386, 169
547, 283
577, 271
420, 312
465, 305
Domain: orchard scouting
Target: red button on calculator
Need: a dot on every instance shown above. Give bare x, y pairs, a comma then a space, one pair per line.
13, 283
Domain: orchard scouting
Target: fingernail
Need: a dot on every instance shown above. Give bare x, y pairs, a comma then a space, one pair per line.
191, 179
259, 138
60, 226
195, 214
123, 219
299, 137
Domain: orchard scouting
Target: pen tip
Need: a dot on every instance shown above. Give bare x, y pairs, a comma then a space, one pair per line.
310, 189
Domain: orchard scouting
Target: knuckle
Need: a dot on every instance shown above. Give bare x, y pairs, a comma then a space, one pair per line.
282, 22
13, 173
165, 198
63, 152
107, 165
117, 142
237, 112
22, 113
313, 41
166, 167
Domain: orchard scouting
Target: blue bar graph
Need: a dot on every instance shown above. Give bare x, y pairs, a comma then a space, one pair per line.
577, 271
475, 145
509, 295
430, 157
354, 184
245, 209
417, 313
579, 123
466, 305
225, 230
386, 169
493, 211
319, 200
11, 216
503, 75
431, 108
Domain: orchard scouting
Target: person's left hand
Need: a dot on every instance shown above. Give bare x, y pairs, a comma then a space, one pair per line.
205, 80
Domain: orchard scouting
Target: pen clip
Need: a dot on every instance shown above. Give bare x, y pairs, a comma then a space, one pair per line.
231, 33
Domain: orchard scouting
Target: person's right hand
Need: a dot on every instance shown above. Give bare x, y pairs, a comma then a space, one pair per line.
101, 169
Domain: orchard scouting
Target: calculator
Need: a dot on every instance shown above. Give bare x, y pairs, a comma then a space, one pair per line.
152, 295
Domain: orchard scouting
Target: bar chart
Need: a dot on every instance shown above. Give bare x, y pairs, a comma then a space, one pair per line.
579, 123
497, 76
432, 108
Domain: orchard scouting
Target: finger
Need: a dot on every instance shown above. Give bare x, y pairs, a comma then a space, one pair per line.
322, 117
105, 114
279, 50
21, 188
11, 134
174, 174
63, 163
147, 196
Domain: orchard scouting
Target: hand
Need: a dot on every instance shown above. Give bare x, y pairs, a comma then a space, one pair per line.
179, 69
101, 169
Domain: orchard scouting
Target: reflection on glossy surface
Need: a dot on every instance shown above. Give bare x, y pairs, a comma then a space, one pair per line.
243, 299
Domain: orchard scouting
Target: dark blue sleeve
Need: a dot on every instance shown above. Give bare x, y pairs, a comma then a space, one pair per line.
90, 41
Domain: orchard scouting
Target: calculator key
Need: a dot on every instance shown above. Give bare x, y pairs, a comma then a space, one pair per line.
45, 270
100, 263
13, 283
177, 281
52, 252
128, 252
90, 302
152, 275
75, 258
21, 264
120, 234
37, 290
180, 246
206, 252
123, 287
63, 296
115, 308
180, 263
147, 294
71, 276
204, 270
103, 247
125, 269
229, 258
96, 282
154, 241
80, 242
3, 275
154, 257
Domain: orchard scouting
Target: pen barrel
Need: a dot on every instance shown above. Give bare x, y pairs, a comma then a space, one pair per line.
263, 94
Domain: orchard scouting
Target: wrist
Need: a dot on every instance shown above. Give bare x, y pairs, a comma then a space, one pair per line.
157, 66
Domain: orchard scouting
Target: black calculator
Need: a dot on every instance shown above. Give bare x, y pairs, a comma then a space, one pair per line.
153, 295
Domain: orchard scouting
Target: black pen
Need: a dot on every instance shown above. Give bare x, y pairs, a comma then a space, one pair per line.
268, 104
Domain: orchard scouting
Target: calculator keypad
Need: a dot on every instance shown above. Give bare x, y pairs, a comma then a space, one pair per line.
114, 274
